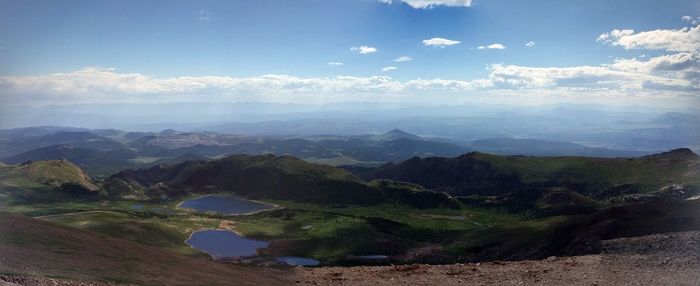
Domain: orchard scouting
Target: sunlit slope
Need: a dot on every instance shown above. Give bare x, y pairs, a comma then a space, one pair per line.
45, 174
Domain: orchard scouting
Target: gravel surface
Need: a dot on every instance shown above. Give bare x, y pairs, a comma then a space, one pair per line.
9, 280
661, 259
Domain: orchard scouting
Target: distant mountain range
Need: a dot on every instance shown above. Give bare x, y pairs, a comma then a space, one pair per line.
102, 152
536, 147
633, 127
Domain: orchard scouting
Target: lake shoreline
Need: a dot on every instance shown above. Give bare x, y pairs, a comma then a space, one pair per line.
217, 258
226, 195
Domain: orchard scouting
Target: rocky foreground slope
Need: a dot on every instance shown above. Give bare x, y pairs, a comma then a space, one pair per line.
660, 259
37, 252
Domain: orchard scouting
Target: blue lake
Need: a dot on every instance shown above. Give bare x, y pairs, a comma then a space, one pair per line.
294, 261
223, 205
224, 243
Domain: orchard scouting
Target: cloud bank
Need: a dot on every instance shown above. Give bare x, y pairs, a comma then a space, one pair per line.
427, 4
672, 75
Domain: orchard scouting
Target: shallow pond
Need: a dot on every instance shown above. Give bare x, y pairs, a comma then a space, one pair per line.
294, 261
223, 205
224, 243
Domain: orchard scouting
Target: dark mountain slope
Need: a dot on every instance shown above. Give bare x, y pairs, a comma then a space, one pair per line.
484, 174
395, 134
682, 154
270, 177
464, 175
254, 176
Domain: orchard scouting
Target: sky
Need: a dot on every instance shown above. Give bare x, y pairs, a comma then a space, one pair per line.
624, 52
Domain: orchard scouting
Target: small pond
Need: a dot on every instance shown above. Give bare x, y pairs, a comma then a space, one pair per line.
223, 205
294, 261
224, 243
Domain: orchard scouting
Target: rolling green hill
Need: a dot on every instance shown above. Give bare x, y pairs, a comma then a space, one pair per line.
44, 180
45, 174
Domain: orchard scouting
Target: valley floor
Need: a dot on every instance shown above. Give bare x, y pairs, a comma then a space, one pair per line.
660, 259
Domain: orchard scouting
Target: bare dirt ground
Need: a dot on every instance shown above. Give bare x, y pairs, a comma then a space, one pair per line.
9, 280
37, 252
661, 259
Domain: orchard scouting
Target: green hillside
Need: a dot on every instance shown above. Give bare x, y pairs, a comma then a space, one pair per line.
52, 173
43, 180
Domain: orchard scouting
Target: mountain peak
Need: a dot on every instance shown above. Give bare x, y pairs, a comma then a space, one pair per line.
395, 134
168, 131
676, 154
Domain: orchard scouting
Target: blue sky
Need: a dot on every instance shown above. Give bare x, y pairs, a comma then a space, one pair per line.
161, 40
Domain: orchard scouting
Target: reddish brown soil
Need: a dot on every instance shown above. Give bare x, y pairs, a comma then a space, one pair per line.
662, 259
35, 248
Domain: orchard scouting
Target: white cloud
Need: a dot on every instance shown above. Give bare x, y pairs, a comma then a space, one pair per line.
530, 44
363, 49
492, 47
334, 63
389, 68
403, 59
690, 19
427, 4
440, 42
102, 85
204, 15
681, 40
679, 70
657, 78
